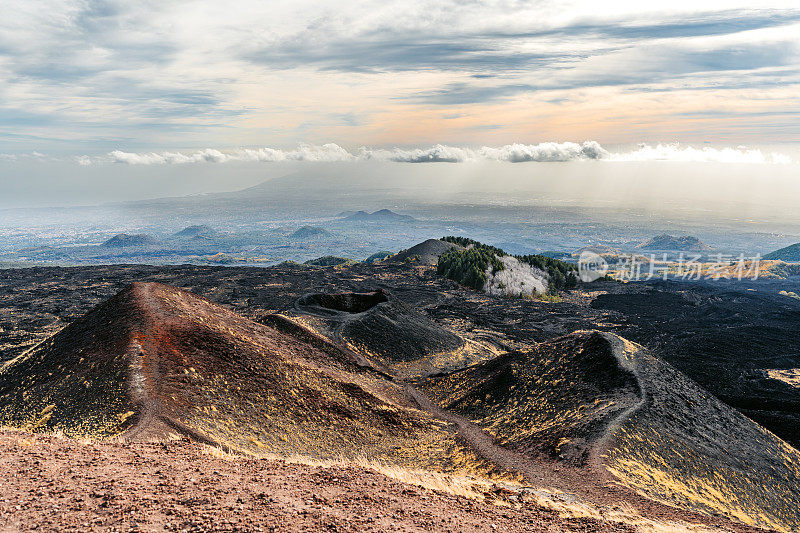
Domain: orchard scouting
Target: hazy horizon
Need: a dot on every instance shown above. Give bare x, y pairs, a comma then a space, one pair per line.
630, 119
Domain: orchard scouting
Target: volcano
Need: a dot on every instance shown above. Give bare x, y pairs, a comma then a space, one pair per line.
156, 363
389, 333
596, 400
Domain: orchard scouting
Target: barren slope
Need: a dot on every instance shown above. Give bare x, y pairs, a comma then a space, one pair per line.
155, 363
598, 400
389, 333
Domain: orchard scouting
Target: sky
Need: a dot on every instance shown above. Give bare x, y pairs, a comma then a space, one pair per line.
104, 83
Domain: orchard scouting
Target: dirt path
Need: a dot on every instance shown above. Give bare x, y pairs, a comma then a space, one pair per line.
485, 446
604, 443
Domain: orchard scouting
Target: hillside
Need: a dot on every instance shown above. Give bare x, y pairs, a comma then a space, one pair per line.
201, 231
395, 363
490, 269
790, 254
669, 243
425, 253
597, 399
122, 240
309, 232
383, 215
393, 336
58, 484
157, 363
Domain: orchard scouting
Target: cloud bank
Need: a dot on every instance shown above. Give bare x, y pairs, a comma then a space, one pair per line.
548, 152
688, 154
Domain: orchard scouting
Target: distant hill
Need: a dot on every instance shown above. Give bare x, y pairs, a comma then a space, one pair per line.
384, 215
789, 254
686, 243
122, 240
196, 231
425, 253
309, 232
328, 260
599, 249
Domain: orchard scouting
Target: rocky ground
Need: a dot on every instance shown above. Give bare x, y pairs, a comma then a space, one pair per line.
735, 334
58, 484
727, 336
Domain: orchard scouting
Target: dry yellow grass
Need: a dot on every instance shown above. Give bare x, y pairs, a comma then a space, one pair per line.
481, 489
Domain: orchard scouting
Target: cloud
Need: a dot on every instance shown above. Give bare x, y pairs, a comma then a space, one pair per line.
161, 158
304, 152
710, 24
34, 155
547, 152
688, 154
101, 72
329, 153
490, 48
510, 153
435, 154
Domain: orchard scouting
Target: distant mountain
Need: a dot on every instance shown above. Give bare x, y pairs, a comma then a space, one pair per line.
309, 232
196, 231
789, 254
668, 242
122, 240
599, 249
384, 215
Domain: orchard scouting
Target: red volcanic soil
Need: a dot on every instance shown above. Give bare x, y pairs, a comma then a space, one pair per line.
59, 484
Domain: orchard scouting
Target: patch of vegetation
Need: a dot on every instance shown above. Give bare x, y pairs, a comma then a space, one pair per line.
377, 256
328, 260
550, 297
471, 243
468, 267
561, 275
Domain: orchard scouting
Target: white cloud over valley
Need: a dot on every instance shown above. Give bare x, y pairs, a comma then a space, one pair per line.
550, 152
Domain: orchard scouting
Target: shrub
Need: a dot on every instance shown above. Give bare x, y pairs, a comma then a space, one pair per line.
466, 243
468, 267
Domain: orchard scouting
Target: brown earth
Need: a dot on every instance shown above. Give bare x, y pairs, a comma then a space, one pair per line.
58, 484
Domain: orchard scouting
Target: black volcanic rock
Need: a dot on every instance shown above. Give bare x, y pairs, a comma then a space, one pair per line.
686, 243
310, 232
123, 240
389, 333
